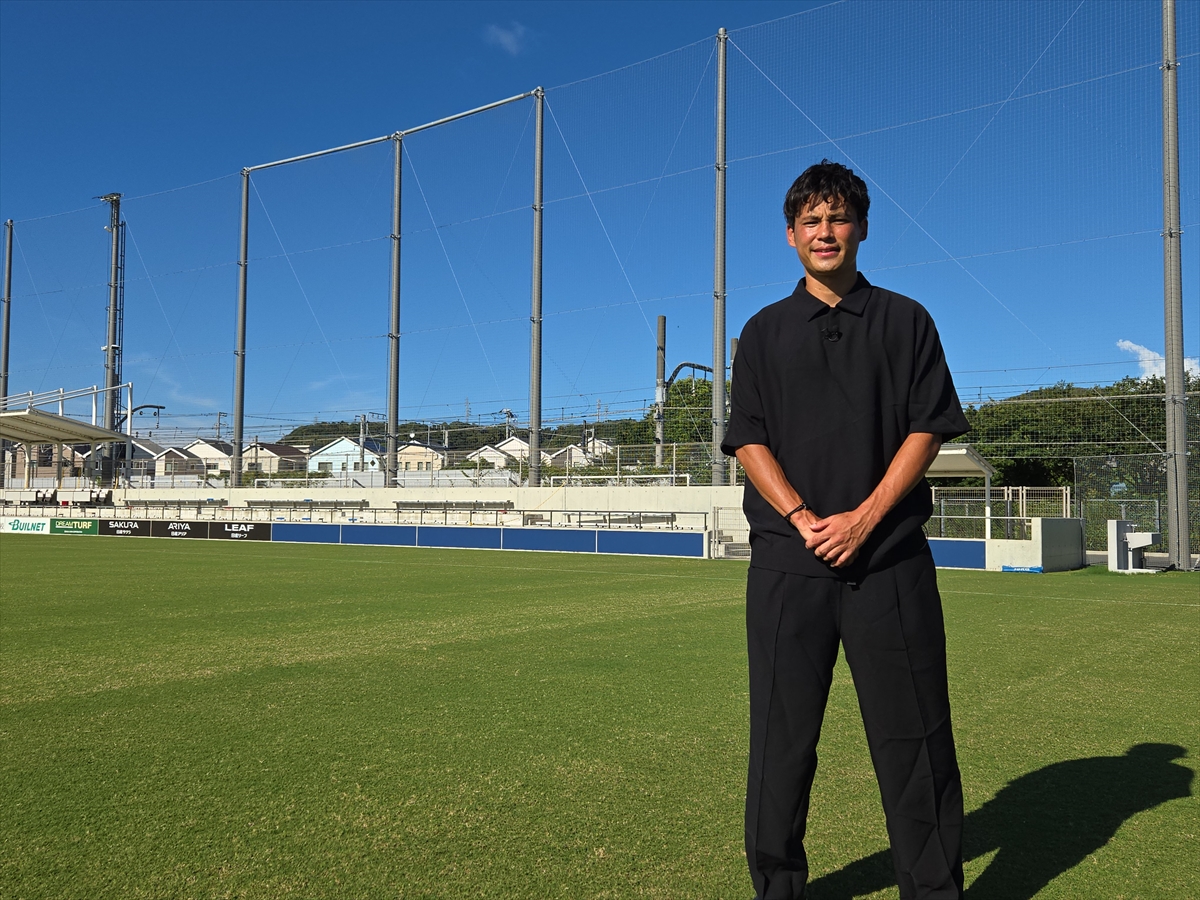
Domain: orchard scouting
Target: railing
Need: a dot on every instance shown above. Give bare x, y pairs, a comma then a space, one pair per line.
213, 510
623, 480
1012, 528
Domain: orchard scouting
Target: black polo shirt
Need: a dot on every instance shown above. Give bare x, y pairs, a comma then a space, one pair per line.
833, 392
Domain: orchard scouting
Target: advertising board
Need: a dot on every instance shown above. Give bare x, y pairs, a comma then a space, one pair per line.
125, 527
240, 531
24, 525
179, 529
74, 526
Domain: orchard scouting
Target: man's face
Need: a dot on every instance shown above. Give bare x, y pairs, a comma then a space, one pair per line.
826, 236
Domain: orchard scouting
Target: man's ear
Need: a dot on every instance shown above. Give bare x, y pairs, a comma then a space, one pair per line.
863, 227
791, 235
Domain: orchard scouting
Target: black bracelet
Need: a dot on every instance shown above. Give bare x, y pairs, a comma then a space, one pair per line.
802, 506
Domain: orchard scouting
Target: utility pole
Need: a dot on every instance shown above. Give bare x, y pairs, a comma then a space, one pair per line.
1178, 542
220, 417
535, 313
116, 327
239, 352
362, 442
393, 394
718, 335
660, 391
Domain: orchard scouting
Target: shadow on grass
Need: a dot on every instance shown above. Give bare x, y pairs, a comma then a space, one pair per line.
1042, 824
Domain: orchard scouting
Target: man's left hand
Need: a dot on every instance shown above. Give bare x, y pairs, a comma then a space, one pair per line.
837, 539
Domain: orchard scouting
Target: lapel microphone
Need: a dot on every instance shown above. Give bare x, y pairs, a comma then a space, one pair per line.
832, 332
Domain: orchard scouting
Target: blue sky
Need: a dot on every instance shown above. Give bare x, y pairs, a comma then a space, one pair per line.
1012, 152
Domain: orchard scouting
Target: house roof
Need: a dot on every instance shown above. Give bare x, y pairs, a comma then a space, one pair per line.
485, 449
274, 449
370, 445
220, 446
437, 448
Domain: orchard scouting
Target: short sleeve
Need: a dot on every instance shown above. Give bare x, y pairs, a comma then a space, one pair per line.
933, 405
747, 422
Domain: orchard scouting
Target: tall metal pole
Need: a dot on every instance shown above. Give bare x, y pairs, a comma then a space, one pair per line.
7, 317
112, 346
718, 330
535, 314
1178, 542
660, 390
5, 321
239, 352
393, 396
115, 333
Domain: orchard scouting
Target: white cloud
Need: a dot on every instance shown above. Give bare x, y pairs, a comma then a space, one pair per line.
511, 39
1153, 364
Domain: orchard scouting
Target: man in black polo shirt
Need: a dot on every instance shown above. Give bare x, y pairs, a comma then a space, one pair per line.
841, 400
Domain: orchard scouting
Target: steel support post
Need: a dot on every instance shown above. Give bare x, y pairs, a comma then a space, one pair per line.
660, 391
239, 352
1178, 542
535, 314
393, 395
5, 321
111, 346
718, 330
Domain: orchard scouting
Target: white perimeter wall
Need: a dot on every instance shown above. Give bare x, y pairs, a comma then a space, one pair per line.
591, 498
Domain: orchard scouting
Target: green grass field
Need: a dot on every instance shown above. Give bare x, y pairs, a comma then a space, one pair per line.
213, 719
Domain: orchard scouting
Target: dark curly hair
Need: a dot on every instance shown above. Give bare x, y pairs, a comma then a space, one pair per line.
826, 182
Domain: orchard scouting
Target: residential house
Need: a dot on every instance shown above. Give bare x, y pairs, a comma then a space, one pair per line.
175, 461
569, 457
217, 456
492, 457
265, 458
346, 455
418, 456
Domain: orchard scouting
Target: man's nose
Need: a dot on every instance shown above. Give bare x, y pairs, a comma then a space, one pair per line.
825, 230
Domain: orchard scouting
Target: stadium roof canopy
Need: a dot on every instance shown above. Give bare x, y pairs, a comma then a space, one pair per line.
960, 461
35, 426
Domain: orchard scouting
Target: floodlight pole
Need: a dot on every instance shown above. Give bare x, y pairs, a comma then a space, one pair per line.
660, 390
5, 322
535, 314
718, 330
1178, 543
115, 337
393, 388
239, 352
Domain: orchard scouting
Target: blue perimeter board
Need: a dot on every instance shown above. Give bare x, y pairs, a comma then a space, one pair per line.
382, 535
959, 553
561, 540
651, 543
306, 534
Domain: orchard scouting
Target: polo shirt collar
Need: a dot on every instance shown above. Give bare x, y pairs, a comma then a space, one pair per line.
854, 302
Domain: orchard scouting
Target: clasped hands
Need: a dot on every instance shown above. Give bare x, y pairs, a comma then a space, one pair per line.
835, 539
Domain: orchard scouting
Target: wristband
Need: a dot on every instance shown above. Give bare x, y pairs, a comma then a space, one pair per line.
799, 508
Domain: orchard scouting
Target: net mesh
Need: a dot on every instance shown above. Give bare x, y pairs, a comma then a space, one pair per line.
1014, 158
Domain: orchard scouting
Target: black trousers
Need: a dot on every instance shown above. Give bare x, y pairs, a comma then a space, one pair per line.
891, 627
